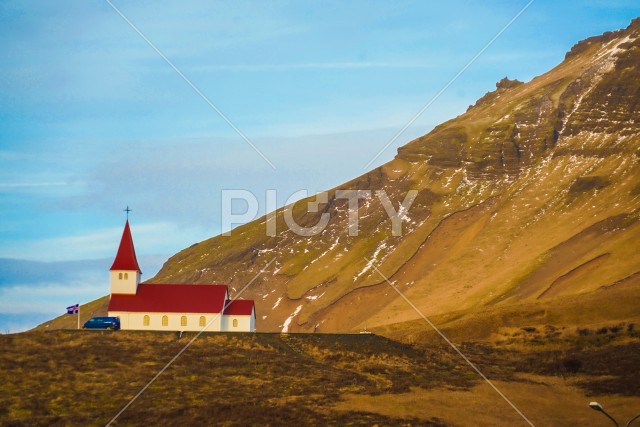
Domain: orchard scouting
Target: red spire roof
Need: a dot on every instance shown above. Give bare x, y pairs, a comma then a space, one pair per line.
126, 256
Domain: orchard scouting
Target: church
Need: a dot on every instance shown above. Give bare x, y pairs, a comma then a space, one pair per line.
171, 307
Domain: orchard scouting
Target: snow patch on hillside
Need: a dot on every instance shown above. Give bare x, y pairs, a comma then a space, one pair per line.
314, 297
277, 303
371, 261
453, 175
332, 247
402, 214
605, 62
615, 49
285, 325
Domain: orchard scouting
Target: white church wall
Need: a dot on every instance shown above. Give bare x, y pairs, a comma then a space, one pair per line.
244, 323
135, 321
124, 282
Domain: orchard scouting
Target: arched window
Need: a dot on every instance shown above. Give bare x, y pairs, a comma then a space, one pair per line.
126, 276
145, 320
165, 320
203, 321
235, 323
183, 321
120, 276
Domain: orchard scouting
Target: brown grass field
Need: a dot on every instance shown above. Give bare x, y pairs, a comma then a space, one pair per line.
72, 377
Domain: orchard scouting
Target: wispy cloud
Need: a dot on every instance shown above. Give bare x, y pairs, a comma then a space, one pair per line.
159, 237
18, 185
313, 66
19, 272
29, 299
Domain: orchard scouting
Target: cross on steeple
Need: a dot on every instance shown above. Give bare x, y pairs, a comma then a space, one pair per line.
127, 210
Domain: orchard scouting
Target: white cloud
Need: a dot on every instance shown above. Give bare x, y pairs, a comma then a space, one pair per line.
312, 66
18, 185
49, 298
150, 238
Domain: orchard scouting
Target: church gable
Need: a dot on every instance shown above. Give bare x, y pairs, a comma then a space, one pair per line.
240, 307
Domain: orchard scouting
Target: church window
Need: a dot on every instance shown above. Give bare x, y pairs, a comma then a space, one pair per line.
120, 276
126, 276
203, 321
235, 323
165, 321
183, 321
145, 320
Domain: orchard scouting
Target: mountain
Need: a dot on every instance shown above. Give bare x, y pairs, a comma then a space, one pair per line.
526, 213
527, 203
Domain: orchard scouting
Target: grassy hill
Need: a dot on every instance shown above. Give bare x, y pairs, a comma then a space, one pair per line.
86, 377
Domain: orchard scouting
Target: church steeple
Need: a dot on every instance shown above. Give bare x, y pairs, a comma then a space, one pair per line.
126, 256
125, 271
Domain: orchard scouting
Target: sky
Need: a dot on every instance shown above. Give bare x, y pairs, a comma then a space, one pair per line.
93, 119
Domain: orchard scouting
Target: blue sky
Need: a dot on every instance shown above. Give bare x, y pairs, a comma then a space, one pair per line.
92, 119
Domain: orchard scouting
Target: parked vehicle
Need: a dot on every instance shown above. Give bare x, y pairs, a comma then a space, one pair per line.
102, 323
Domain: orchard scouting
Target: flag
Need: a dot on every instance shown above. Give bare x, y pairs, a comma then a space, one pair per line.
73, 309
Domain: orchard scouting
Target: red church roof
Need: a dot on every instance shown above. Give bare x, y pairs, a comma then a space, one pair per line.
156, 298
126, 256
239, 307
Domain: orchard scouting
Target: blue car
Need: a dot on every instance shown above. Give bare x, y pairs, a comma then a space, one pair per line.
102, 323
